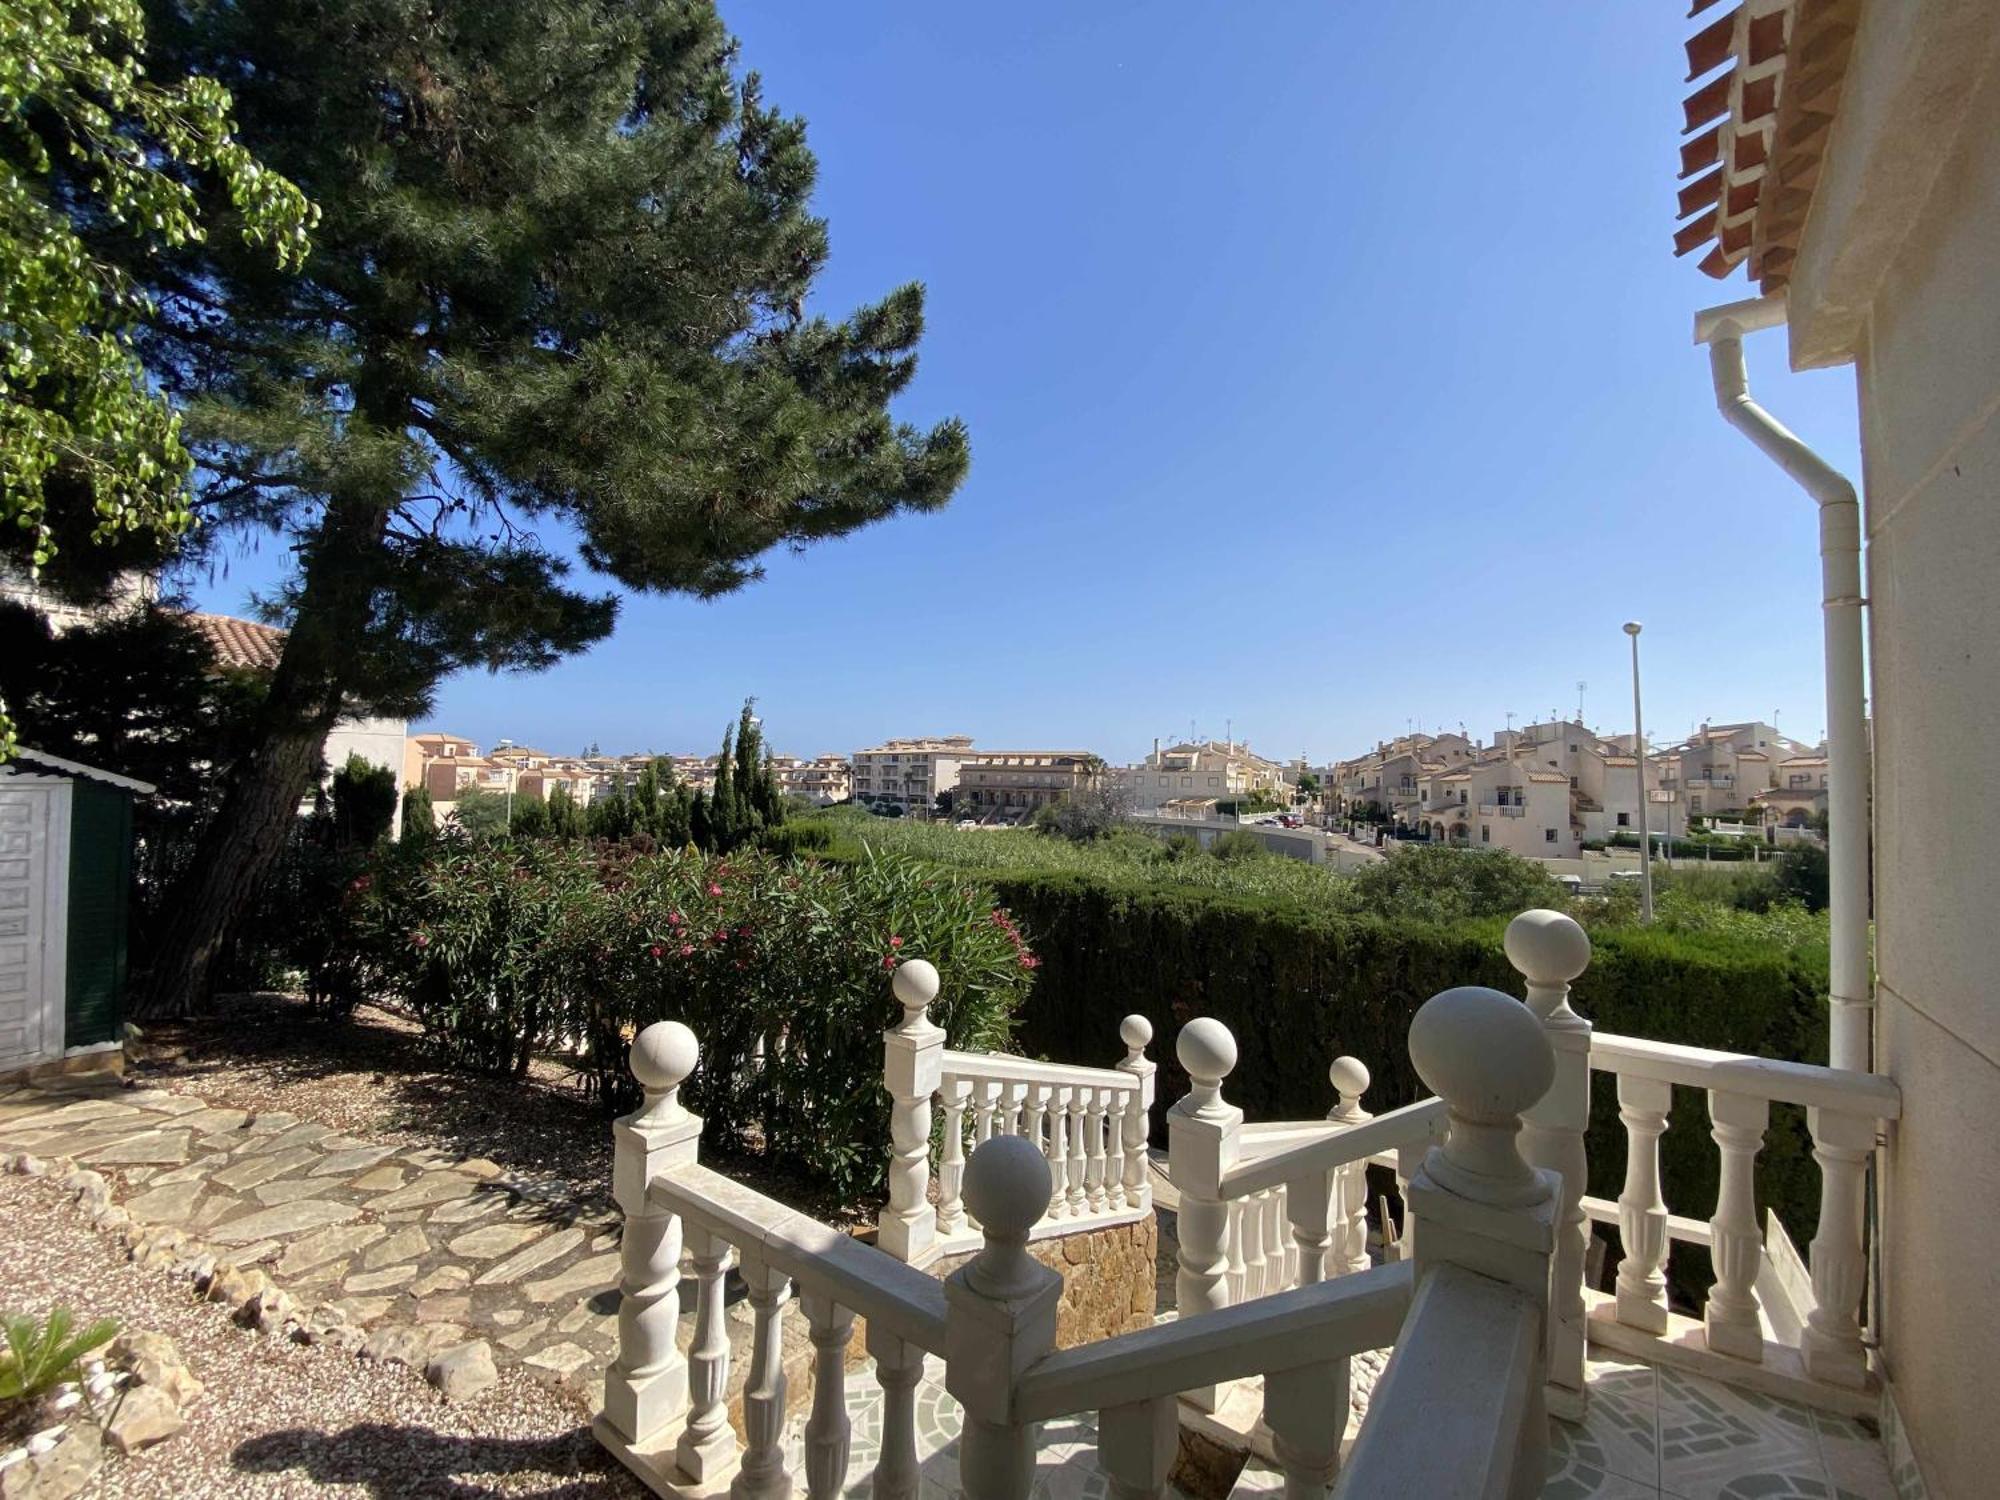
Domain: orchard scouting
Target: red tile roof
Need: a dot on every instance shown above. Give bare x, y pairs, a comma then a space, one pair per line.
243, 645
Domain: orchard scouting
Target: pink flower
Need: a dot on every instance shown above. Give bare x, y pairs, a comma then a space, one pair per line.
657, 951
686, 949
895, 942
721, 935
1029, 961
420, 940
889, 961
673, 919
714, 889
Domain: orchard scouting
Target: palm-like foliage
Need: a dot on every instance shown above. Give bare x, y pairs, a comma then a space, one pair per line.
41, 1354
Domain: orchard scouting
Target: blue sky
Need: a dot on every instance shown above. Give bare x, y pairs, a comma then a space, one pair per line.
1327, 369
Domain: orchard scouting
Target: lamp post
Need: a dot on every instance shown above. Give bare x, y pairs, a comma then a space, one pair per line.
1632, 628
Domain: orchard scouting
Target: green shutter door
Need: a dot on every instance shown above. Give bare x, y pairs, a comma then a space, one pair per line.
100, 878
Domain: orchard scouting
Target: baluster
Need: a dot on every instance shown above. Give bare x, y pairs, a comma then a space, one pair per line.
707, 1449
1036, 1111
1306, 1410
1276, 1234
1136, 1446
1094, 1124
827, 1427
763, 1476
1017, 1098
1114, 1149
898, 1368
1000, 1318
1643, 1104
1135, 1032
1254, 1266
1058, 1152
1549, 949
1306, 1204
1408, 1160
1349, 1077
912, 1066
951, 1158
647, 1386
1735, 1245
1203, 1137
1833, 1348
1239, 1257
1079, 1152
985, 1101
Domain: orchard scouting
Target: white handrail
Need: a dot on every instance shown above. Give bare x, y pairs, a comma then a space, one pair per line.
906, 1301
1452, 1413
1837, 1089
1001, 1067
1354, 1143
1311, 1325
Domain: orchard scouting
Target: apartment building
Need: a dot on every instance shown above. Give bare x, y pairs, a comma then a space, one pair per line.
908, 774
1499, 803
822, 781
1391, 776
1202, 771
1009, 785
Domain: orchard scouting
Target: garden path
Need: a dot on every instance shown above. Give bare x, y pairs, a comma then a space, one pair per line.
380, 1236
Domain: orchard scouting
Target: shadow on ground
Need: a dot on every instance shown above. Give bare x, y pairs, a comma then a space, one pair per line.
405, 1463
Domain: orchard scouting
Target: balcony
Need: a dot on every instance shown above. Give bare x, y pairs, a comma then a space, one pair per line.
1502, 810
1507, 1373
1720, 781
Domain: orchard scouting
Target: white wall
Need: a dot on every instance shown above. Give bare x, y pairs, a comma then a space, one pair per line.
1929, 376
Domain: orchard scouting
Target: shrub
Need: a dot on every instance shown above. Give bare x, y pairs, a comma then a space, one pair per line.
1433, 883
504, 950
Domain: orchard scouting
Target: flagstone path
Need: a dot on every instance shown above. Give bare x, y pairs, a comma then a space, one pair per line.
362, 1235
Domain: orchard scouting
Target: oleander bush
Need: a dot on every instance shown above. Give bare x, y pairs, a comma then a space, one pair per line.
505, 950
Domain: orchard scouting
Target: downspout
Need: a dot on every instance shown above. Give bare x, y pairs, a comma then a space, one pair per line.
1852, 995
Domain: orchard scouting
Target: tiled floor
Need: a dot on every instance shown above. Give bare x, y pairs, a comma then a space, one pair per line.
1651, 1434
1659, 1432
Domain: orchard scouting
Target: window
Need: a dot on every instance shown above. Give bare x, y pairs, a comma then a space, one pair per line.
1548, 835
1215, 781
1187, 781
1624, 820
1485, 833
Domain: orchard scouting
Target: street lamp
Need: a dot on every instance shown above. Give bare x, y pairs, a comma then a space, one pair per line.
1632, 628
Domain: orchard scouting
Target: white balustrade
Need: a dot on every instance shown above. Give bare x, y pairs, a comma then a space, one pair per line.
1844, 1112
1350, 1080
707, 1448
899, 1365
1549, 950
1090, 1124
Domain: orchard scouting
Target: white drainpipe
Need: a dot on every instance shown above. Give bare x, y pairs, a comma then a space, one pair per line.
1722, 329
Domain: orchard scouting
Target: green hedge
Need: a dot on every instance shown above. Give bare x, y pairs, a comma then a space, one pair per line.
1299, 987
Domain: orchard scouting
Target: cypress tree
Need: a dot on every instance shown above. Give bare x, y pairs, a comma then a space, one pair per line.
555, 303
419, 819
565, 817
701, 829
722, 809
646, 801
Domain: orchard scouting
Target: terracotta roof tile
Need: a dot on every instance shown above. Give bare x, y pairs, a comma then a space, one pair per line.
242, 645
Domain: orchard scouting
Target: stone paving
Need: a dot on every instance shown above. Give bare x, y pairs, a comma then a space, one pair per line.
363, 1236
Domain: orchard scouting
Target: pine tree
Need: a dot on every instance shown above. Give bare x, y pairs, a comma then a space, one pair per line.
554, 303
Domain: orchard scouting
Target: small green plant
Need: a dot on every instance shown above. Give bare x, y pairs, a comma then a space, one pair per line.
40, 1355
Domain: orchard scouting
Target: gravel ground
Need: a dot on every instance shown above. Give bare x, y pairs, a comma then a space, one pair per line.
284, 1419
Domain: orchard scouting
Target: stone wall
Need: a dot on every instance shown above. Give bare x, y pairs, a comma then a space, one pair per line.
1108, 1279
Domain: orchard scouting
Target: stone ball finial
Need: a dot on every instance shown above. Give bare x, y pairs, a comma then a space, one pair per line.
663, 1055
1206, 1049
1482, 1052
1349, 1077
915, 984
1007, 1186
1135, 1032
1547, 947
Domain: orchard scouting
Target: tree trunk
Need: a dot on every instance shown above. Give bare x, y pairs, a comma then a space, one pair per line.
241, 844
235, 855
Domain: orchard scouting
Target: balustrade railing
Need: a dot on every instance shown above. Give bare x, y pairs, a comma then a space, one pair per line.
1483, 1226
1090, 1124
